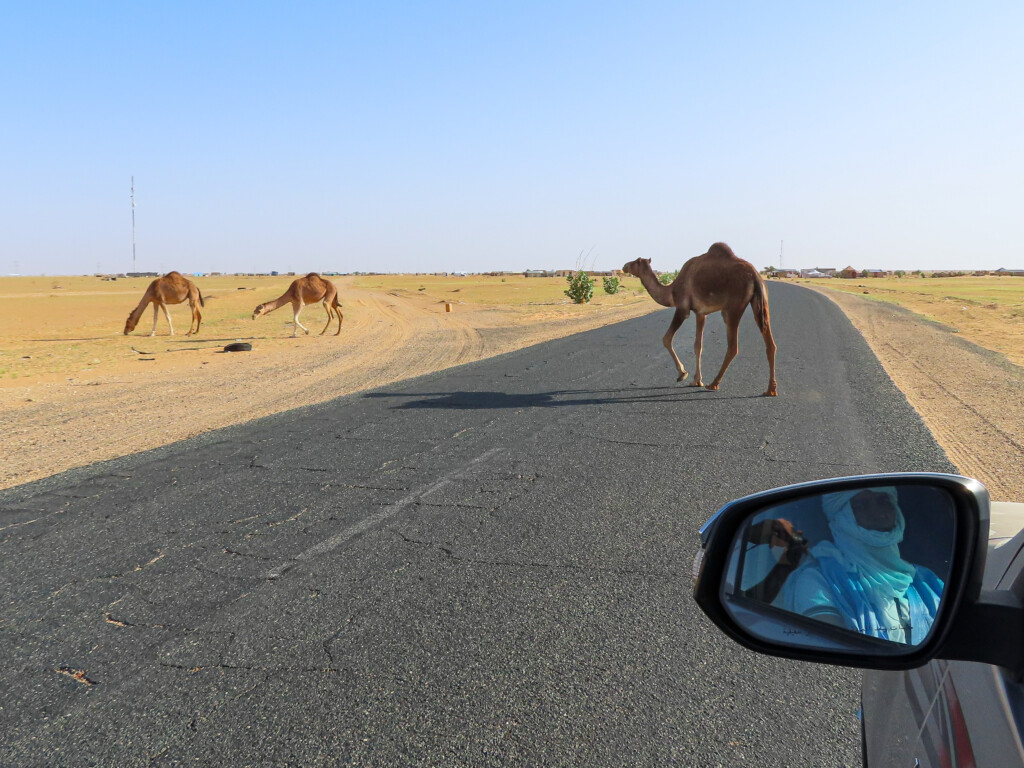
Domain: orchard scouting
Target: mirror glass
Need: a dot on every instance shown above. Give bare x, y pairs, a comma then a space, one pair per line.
871, 561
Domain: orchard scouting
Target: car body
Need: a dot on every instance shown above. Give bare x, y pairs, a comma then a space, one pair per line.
953, 714
954, 699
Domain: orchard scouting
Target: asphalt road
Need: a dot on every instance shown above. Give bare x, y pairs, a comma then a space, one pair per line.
486, 566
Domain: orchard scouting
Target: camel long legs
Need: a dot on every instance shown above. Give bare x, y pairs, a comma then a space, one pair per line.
296, 309
330, 316
167, 314
677, 321
769, 349
156, 316
732, 332
331, 311
698, 343
333, 308
197, 318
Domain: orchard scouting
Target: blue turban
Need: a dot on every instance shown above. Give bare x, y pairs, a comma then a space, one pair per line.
873, 556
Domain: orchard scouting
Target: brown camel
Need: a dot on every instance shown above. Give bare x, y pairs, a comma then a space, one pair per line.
715, 281
172, 288
306, 290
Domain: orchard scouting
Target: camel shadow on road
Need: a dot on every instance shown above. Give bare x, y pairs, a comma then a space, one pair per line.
462, 400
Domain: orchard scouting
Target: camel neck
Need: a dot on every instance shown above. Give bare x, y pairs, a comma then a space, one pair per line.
280, 301
660, 293
137, 312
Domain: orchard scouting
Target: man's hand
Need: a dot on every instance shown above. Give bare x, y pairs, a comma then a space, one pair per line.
774, 532
780, 533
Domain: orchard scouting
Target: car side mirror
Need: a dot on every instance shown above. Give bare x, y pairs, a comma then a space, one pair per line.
875, 571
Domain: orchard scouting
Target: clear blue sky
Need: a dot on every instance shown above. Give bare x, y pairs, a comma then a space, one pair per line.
423, 136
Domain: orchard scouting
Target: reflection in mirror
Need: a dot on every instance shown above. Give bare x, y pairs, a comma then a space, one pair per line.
872, 560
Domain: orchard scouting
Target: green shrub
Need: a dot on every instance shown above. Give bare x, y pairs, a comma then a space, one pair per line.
611, 285
666, 278
581, 287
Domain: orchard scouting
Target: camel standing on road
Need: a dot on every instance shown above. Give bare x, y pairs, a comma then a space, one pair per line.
306, 290
172, 288
715, 281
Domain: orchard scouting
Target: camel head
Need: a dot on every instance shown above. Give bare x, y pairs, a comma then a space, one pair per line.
637, 267
260, 310
130, 323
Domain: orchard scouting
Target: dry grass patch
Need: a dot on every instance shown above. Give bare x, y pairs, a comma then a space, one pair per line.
988, 311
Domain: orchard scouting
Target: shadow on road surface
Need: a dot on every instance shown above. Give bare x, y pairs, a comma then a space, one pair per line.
561, 397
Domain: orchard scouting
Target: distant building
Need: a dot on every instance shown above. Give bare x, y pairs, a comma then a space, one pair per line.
816, 273
848, 273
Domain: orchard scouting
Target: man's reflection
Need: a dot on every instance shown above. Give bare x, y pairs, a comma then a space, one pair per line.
788, 546
859, 580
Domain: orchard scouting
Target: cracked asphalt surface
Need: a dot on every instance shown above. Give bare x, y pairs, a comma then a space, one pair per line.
486, 566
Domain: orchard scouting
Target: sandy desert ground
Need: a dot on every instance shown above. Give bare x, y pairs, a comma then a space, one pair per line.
957, 377
986, 310
74, 390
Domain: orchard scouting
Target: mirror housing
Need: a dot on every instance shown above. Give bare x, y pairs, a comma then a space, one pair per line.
970, 625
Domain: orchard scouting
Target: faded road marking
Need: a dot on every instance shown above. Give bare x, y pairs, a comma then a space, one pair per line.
340, 538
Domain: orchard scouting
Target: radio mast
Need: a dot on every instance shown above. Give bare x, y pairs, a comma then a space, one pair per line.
133, 224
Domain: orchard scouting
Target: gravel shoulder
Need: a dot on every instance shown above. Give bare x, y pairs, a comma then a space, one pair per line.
968, 396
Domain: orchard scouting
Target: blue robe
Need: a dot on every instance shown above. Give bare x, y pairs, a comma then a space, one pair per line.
829, 585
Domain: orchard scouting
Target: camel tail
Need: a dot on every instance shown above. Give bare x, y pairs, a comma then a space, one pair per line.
201, 302
759, 303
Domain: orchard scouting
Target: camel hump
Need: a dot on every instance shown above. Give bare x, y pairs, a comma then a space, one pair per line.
173, 273
312, 275
721, 249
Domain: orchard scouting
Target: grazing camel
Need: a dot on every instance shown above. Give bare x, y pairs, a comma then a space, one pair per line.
306, 290
715, 281
172, 288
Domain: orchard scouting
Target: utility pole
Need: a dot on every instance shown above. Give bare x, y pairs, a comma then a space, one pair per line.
780, 254
133, 225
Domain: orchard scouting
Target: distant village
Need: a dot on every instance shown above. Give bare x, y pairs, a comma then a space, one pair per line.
848, 273
516, 273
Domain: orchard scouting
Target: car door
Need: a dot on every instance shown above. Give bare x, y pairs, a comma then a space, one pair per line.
953, 714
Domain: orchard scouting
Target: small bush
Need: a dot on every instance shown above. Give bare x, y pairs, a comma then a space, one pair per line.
666, 278
611, 285
581, 287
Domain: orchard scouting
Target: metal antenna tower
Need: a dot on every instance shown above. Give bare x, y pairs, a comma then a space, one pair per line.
133, 225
